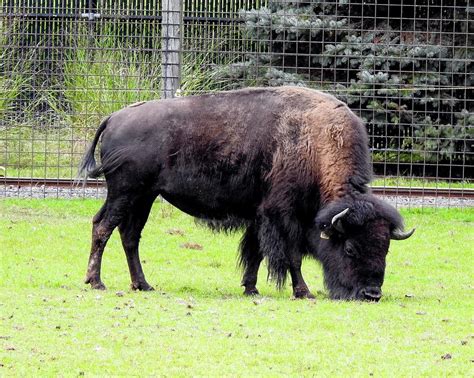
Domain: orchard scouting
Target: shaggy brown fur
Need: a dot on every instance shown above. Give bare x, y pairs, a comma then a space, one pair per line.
266, 159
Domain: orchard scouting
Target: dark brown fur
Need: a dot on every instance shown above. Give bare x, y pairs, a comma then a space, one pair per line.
265, 159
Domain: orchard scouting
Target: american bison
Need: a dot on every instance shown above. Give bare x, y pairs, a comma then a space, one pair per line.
289, 165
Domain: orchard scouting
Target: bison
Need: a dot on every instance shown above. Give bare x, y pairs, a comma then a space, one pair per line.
289, 165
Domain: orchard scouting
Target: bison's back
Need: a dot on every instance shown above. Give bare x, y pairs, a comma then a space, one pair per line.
219, 154
248, 115
208, 155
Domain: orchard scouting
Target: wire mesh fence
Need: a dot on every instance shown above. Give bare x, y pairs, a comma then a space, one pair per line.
404, 66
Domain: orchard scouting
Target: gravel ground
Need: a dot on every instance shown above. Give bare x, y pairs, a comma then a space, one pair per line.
10, 191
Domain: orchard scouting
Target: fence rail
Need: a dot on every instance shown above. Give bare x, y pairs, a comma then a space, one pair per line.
404, 66
98, 16
382, 190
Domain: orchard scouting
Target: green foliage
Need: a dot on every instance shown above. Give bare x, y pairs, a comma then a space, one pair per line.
435, 142
103, 79
15, 76
10, 86
394, 71
398, 75
197, 70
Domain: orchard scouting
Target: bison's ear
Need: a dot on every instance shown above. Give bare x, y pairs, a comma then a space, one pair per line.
324, 235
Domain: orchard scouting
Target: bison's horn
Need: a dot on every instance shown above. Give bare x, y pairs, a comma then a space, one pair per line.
398, 234
336, 220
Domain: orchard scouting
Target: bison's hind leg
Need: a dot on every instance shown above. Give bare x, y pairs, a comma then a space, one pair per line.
129, 212
130, 231
250, 259
103, 224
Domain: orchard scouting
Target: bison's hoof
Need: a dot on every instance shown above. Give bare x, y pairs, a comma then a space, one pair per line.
303, 295
97, 285
251, 292
142, 286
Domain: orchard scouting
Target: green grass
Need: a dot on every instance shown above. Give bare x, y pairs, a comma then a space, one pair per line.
112, 77
414, 182
197, 322
42, 152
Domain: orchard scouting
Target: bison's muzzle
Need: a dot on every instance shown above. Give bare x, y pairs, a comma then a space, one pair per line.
370, 293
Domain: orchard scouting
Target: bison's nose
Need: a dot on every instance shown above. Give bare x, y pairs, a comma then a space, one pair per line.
371, 293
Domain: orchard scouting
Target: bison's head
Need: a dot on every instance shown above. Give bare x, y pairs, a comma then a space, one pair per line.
353, 236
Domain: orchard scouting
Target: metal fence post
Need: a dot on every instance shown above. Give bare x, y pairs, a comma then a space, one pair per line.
171, 46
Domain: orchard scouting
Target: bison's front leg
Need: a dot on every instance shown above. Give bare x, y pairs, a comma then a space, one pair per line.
280, 237
250, 259
300, 289
249, 280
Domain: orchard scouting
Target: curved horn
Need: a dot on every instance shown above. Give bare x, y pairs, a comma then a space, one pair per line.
398, 234
336, 220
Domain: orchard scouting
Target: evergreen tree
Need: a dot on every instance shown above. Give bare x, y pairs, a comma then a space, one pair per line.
395, 64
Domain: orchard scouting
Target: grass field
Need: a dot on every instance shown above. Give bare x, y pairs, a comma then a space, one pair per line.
197, 322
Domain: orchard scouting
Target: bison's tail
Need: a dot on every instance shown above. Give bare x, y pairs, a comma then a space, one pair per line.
88, 166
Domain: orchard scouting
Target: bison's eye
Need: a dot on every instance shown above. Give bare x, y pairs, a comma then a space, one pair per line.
350, 250
323, 226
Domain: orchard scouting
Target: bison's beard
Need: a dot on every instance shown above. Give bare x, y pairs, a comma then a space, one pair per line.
337, 290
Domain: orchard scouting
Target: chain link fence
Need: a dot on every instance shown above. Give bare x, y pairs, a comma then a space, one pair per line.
404, 66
